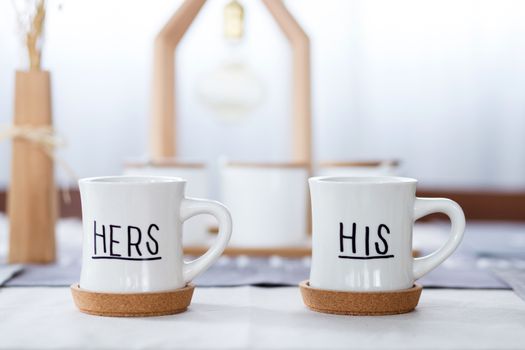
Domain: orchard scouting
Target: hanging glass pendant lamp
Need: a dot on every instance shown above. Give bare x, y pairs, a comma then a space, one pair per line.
233, 89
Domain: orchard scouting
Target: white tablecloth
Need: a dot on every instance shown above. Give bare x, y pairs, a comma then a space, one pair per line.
252, 317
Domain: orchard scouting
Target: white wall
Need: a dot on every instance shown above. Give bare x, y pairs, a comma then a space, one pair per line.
439, 84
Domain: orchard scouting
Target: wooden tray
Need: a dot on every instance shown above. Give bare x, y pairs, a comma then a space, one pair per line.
286, 252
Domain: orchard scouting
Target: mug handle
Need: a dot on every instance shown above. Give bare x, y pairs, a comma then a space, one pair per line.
426, 206
191, 207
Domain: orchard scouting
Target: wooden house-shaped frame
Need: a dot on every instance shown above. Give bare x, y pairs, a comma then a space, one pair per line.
164, 114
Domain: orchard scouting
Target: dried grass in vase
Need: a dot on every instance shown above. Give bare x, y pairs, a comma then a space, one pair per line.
31, 15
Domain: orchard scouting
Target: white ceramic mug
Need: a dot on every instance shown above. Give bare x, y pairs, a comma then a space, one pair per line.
269, 203
195, 230
133, 234
362, 233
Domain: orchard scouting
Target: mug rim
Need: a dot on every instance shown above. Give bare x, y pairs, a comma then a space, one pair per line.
363, 180
121, 180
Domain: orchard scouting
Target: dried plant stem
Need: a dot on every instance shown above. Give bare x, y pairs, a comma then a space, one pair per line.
33, 36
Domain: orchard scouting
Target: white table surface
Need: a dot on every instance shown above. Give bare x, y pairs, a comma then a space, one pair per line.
252, 317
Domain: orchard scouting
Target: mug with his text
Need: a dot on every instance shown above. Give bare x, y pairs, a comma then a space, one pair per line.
362, 233
133, 234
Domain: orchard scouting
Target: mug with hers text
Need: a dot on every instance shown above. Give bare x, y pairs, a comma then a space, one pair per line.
362, 233
133, 234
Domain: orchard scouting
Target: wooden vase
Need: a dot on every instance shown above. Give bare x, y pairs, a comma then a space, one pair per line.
32, 195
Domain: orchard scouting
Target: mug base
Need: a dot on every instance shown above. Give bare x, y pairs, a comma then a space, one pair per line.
132, 304
360, 303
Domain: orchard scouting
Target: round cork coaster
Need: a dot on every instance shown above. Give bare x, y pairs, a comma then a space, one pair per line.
132, 304
360, 303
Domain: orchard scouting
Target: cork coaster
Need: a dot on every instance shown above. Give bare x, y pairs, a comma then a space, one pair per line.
132, 304
360, 303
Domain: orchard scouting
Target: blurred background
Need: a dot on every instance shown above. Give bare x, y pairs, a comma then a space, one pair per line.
438, 85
